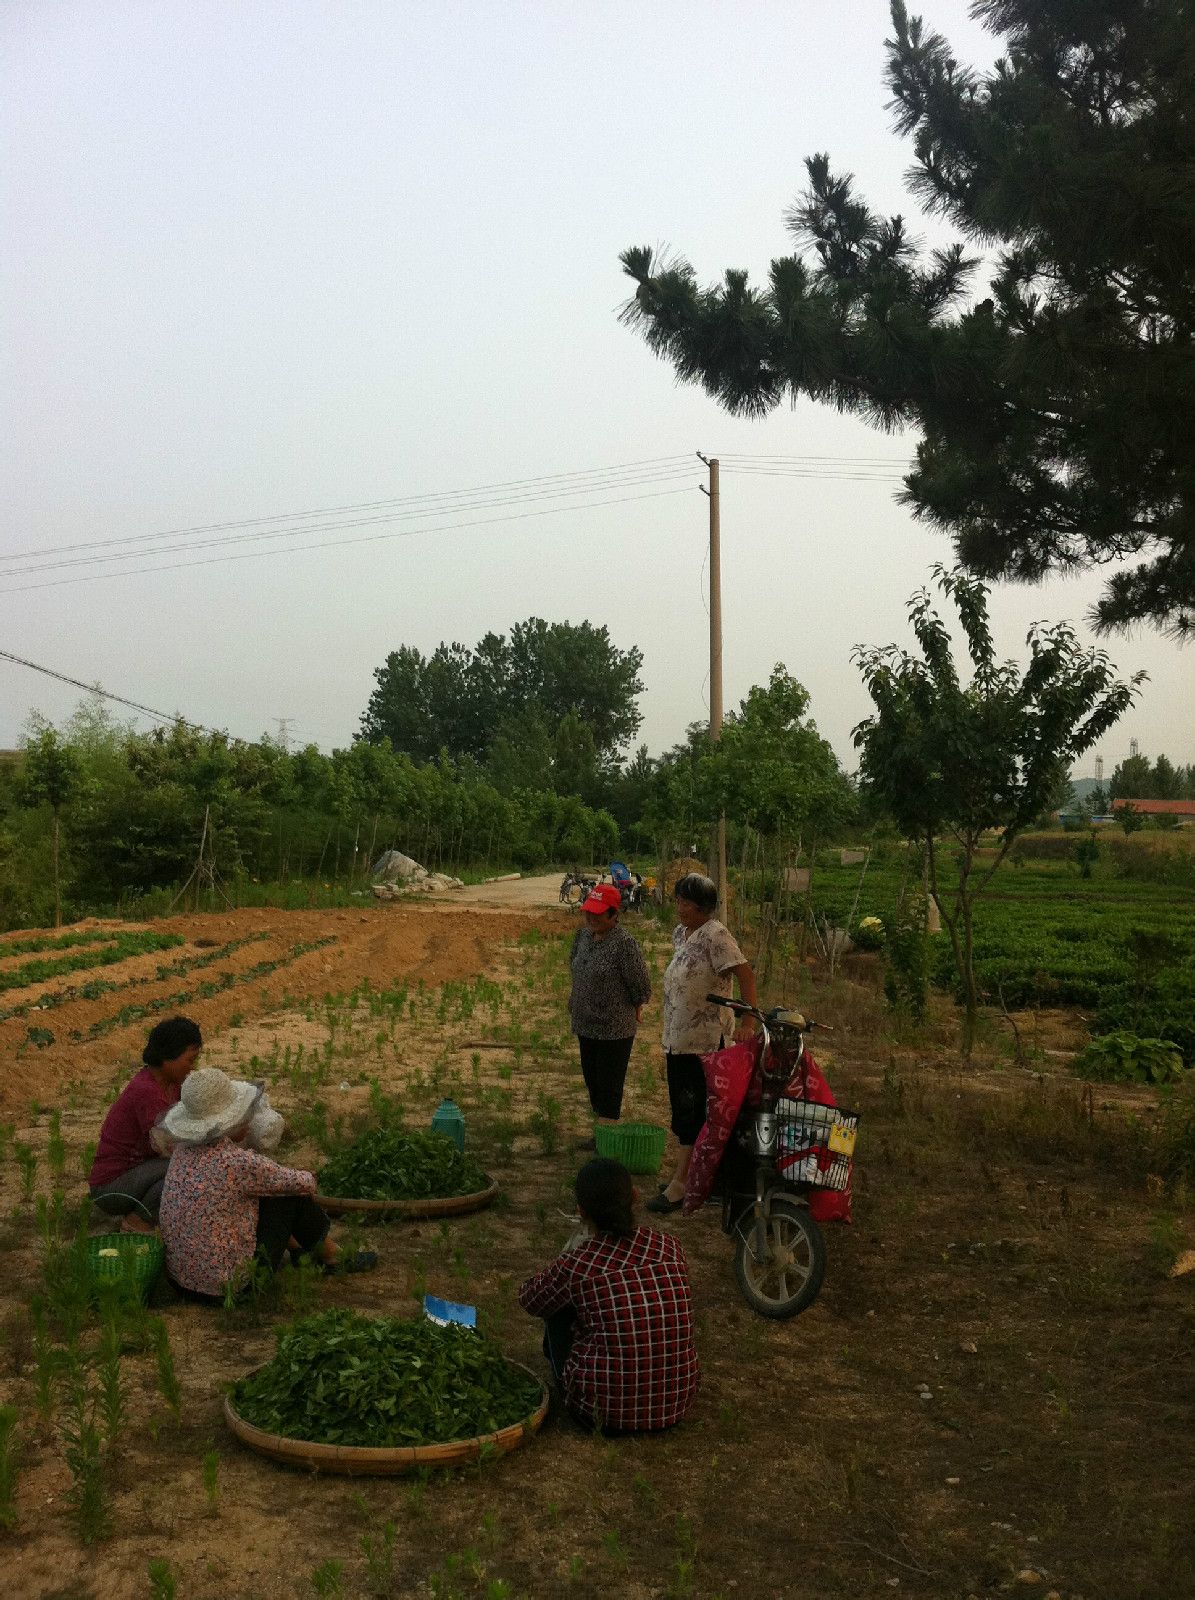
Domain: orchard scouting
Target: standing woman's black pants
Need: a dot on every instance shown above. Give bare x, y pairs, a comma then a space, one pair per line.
604, 1067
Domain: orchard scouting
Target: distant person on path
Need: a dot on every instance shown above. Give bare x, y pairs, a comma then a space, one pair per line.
224, 1205
128, 1172
610, 988
705, 958
618, 1317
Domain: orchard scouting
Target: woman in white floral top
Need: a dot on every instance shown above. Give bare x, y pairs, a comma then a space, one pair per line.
705, 959
224, 1205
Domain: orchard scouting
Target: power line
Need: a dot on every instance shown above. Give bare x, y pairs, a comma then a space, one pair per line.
266, 533
519, 487
518, 491
509, 492
337, 544
92, 688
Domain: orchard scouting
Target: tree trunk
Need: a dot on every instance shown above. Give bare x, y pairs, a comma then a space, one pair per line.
57, 878
970, 995
951, 919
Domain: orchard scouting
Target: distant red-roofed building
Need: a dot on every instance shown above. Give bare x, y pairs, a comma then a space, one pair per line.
1184, 809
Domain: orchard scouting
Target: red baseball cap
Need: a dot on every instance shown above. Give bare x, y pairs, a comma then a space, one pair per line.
603, 897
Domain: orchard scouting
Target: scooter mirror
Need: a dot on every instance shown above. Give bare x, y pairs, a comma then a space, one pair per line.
788, 1019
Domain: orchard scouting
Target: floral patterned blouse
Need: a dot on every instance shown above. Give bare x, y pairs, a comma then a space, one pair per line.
209, 1210
701, 964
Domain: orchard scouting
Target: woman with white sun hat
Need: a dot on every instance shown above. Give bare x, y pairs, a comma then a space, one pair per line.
224, 1204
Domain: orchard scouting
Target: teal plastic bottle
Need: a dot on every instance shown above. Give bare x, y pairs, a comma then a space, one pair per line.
450, 1119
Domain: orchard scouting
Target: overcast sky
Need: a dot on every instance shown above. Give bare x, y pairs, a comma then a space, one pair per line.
276, 257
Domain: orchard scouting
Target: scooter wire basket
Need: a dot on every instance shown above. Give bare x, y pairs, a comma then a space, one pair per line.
815, 1144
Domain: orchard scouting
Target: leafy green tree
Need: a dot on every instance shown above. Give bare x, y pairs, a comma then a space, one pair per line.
51, 775
1129, 818
457, 699
1166, 780
1098, 801
521, 754
575, 758
1132, 779
954, 761
771, 768
1056, 410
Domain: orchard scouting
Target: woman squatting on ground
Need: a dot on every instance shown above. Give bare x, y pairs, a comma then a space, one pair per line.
129, 1170
618, 1316
224, 1205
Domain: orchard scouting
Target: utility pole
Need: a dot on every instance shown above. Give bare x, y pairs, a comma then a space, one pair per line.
718, 841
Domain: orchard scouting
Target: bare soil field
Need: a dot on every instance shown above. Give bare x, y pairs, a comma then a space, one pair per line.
336, 951
994, 1393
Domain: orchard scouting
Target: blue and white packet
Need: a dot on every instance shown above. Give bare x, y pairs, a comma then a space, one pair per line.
443, 1312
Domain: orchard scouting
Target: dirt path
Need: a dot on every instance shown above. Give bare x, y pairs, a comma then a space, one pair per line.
521, 894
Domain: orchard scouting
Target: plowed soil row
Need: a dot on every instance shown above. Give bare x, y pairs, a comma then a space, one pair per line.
384, 944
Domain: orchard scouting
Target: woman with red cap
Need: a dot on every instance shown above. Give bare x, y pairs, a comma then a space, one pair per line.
610, 989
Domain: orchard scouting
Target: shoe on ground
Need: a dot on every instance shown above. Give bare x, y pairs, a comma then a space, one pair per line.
363, 1261
661, 1204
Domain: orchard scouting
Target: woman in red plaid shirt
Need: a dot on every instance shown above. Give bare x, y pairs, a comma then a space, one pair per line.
617, 1312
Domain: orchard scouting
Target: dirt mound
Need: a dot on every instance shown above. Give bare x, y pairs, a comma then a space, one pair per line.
680, 868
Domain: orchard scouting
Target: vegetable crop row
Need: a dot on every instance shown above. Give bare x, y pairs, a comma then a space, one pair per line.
122, 948
204, 991
93, 989
55, 941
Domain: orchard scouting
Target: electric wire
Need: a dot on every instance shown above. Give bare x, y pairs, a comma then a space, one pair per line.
104, 694
336, 544
557, 487
250, 536
509, 491
594, 477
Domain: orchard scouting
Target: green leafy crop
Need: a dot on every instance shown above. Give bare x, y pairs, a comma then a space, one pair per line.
388, 1163
1124, 1058
381, 1382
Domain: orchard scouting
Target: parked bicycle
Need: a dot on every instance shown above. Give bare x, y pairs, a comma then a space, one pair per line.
782, 1147
575, 885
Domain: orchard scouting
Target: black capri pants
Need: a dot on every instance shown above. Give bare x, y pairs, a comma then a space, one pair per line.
686, 1095
604, 1067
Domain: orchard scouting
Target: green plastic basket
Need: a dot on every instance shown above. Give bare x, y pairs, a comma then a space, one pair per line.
135, 1259
638, 1145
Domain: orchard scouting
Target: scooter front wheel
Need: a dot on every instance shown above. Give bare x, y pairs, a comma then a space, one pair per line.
788, 1277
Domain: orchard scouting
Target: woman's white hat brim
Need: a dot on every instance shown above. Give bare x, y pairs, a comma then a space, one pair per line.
223, 1114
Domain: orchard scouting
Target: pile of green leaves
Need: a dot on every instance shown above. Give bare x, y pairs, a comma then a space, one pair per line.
388, 1163
1125, 1058
380, 1382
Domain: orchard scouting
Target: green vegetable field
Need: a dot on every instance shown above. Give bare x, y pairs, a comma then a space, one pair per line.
1044, 936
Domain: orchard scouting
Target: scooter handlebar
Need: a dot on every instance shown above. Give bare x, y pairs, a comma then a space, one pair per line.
769, 1019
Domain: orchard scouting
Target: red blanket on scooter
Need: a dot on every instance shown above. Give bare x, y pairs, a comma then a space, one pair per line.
728, 1077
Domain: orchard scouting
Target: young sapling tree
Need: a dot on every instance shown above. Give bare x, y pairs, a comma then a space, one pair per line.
952, 761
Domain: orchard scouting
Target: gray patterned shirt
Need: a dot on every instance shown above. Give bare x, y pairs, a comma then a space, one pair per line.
609, 981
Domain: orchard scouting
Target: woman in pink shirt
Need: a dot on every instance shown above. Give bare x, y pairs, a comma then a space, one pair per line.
224, 1205
127, 1173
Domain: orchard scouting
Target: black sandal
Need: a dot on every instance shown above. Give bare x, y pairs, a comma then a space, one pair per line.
661, 1204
